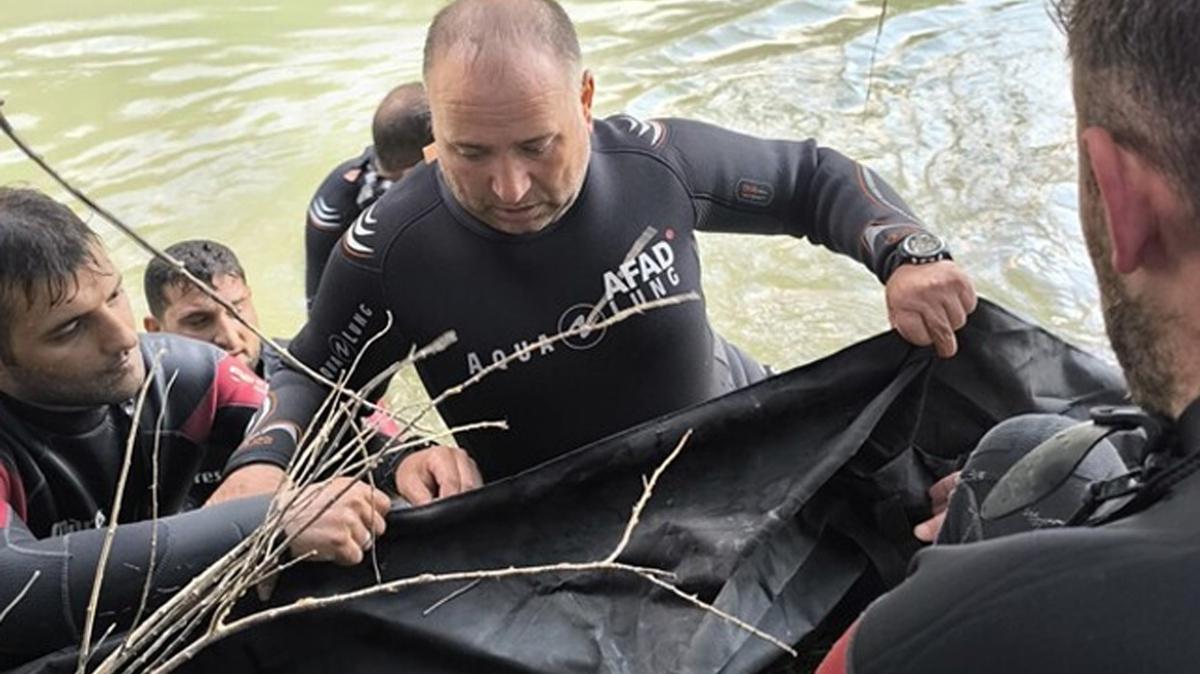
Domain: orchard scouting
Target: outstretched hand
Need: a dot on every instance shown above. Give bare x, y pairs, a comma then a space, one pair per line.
927, 303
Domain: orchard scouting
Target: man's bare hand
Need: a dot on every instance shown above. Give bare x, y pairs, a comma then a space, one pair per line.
927, 303
251, 480
939, 496
346, 517
436, 473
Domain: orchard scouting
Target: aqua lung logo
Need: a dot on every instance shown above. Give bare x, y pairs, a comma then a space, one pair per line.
344, 346
577, 319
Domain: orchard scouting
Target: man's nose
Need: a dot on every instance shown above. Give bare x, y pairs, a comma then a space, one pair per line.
119, 335
511, 182
227, 335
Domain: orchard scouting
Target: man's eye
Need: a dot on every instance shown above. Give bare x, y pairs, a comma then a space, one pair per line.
537, 149
67, 331
196, 322
470, 153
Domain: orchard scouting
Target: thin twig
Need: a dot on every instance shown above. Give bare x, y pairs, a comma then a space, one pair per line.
451, 597
20, 595
693, 599
874, 49
154, 456
312, 604
647, 491
109, 534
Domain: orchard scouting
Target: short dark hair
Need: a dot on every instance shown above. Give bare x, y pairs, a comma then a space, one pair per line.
1137, 72
43, 246
204, 259
401, 127
482, 25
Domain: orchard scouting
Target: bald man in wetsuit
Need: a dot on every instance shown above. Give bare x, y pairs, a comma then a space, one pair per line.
71, 365
536, 218
400, 131
1119, 592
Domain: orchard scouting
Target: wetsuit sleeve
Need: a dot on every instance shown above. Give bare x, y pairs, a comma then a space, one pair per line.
51, 613
349, 310
332, 209
743, 184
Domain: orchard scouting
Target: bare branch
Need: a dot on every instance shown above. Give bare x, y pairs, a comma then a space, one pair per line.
734, 620
20, 595
106, 548
647, 492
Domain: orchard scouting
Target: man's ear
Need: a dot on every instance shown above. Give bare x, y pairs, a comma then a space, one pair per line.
1127, 186
151, 324
589, 93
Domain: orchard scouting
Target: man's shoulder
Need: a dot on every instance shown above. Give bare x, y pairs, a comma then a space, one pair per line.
985, 605
414, 200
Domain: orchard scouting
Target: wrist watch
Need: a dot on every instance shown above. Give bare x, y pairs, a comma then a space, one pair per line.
922, 248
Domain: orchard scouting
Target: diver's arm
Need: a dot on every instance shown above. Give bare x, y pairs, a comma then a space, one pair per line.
59, 571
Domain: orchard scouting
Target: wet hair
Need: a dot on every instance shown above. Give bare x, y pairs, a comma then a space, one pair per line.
43, 246
205, 260
1137, 72
488, 26
401, 128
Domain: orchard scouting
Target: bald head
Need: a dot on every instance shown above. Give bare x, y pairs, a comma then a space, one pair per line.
482, 31
401, 128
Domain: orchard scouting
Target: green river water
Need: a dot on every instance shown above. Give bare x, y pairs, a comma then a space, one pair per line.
217, 119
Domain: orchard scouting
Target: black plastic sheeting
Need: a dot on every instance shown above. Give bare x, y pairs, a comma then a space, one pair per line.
791, 507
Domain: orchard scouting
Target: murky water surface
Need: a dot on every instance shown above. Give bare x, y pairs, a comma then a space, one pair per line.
217, 119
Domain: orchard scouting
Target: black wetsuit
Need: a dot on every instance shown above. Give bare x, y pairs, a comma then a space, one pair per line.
420, 256
1120, 597
349, 189
58, 477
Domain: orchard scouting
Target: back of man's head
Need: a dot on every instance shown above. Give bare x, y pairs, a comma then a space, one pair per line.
1137, 74
43, 245
205, 260
482, 28
401, 128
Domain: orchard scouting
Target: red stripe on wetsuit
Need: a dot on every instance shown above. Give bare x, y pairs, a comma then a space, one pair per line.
233, 385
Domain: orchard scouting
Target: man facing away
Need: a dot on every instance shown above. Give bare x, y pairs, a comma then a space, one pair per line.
536, 219
1120, 594
71, 365
400, 131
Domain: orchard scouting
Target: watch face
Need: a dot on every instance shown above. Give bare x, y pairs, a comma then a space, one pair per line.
922, 245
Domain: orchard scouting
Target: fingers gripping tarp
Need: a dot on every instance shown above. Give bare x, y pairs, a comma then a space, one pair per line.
790, 497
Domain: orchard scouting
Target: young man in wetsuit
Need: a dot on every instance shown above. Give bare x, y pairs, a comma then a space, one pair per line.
1119, 594
537, 218
178, 307
400, 131
71, 366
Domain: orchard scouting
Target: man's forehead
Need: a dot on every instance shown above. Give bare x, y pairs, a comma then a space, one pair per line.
51, 300
185, 296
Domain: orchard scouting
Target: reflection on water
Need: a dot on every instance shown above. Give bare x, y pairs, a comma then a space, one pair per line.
219, 121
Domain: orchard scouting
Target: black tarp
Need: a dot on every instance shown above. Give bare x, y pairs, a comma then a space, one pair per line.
791, 506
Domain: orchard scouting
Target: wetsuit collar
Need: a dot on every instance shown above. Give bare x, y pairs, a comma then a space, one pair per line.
60, 421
